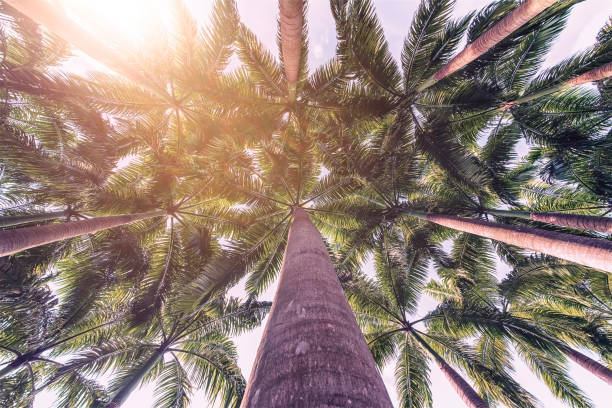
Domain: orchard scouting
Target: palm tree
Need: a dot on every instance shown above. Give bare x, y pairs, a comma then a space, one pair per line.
291, 26
312, 321
586, 222
385, 310
200, 355
510, 23
57, 22
592, 252
12, 220
19, 239
530, 308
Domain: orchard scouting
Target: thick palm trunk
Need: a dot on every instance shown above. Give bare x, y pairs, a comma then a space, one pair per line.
10, 221
463, 389
19, 239
589, 364
591, 252
55, 20
124, 392
512, 22
291, 40
596, 74
312, 353
585, 222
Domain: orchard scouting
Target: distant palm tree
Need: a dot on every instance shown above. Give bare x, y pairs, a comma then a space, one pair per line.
510, 23
291, 23
19, 239
384, 309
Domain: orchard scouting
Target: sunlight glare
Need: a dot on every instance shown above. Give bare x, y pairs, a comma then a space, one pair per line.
124, 22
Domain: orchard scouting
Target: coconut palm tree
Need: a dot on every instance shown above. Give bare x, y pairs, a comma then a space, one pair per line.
520, 311
386, 311
522, 14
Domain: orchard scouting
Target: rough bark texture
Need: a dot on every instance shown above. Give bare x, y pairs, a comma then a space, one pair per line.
588, 363
10, 221
586, 222
597, 74
18, 239
312, 353
463, 389
519, 16
592, 252
54, 19
291, 37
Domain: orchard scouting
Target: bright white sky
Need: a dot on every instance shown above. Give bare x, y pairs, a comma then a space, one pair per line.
584, 23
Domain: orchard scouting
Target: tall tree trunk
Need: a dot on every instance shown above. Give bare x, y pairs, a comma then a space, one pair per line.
131, 383
589, 364
585, 222
591, 252
18, 239
596, 74
10, 221
463, 389
291, 22
312, 353
56, 21
512, 22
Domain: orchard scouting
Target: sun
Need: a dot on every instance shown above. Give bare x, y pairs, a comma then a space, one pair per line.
122, 22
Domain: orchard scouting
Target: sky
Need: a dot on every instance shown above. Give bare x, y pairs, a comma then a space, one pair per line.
116, 17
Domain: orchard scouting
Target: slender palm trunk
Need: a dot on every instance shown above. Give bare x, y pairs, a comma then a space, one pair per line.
589, 364
19, 239
585, 222
131, 383
512, 22
591, 252
13, 365
56, 21
291, 40
463, 389
10, 221
312, 353
596, 74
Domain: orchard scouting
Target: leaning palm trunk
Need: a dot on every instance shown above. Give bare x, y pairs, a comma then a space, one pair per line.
10, 221
44, 13
591, 252
513, 21
589, 364
596, 74
312, 353
291, 41
19, 239
130, 383
463, 389
585, 222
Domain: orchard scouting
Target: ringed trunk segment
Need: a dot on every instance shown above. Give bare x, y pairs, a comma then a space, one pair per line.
312, 353
10, 221
591, 252
579, 221
512, 22
589, 364
19, 239
291, 22
55, 20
